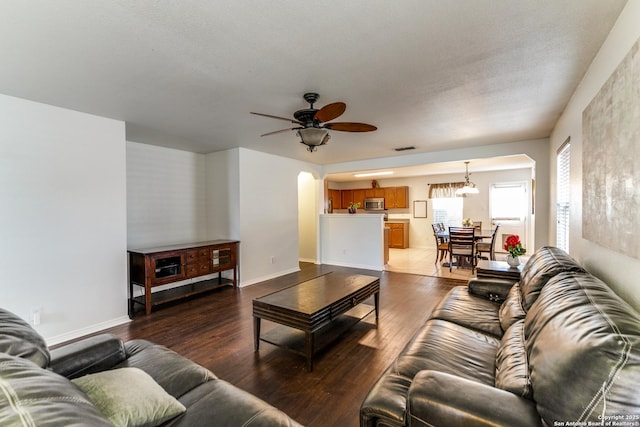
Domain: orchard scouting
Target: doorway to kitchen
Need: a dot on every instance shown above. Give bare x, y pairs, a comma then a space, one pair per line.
307, 217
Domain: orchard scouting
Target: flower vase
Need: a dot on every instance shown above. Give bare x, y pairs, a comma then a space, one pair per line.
513, 261
352, 210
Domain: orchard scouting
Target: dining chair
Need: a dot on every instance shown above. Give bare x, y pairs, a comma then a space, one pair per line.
486, 247
442, 245
462, 245
477, 225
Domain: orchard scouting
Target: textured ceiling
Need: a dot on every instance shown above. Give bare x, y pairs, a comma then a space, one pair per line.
430, 73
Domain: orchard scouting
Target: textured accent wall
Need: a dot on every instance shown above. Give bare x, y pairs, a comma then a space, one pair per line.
610, 172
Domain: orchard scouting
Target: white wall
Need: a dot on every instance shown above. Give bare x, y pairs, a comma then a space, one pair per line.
620, 271
63, 218
268, 190
223, 195
166, 196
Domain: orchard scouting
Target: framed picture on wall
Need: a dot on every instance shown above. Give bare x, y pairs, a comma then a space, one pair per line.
419, 208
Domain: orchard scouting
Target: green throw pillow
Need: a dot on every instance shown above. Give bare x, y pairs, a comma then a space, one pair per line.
129, 397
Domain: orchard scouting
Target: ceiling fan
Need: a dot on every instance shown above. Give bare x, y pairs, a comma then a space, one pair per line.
314, 125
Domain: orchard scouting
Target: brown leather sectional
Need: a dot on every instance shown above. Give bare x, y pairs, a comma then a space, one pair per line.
557, 348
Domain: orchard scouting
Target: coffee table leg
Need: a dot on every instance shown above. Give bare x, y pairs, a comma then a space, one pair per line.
308, 345
376, 300
256, 333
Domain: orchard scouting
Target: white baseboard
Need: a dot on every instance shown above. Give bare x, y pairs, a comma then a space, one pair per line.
268, 277
363, 266
86, 331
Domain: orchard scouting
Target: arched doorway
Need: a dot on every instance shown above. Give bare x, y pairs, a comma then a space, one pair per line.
308, 209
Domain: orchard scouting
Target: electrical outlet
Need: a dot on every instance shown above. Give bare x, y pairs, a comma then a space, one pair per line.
273, 260
35, 316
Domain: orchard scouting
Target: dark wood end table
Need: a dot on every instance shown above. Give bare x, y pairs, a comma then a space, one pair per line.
316, 312
498, 270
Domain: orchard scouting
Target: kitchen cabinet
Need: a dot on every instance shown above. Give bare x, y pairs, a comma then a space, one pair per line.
336, 198
396, 197
398, 234
347, 198
402, 197
358, 197
390, 197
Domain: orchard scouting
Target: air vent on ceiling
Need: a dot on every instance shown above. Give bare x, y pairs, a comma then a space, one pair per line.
411, 147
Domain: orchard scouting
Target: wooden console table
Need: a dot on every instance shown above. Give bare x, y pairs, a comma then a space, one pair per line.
158, 266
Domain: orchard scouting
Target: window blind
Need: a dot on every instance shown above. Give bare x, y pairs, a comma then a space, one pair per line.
563, 161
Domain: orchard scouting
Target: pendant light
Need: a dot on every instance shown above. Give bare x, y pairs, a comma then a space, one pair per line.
469, 187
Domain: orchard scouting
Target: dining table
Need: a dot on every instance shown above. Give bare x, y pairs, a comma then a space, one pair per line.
443, 236
484, 234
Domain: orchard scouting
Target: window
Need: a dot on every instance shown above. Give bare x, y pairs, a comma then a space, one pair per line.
563, 161
509, 206
447, 210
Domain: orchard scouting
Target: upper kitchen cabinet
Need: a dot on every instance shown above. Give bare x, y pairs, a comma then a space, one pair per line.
358, 197
347, 198
396, 197
336, 199
377, 192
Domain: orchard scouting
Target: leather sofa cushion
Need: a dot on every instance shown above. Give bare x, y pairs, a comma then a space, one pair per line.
511, 310
544, 264
33, 396
512, 369
440, 346
233, 407
584, 340
461, 307
18, 338
173, 372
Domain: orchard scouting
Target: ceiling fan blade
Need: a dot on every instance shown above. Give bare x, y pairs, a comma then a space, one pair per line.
277, 117
278, 131
330, 111
350, 127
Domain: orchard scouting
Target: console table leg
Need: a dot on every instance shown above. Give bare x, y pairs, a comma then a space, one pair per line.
256, 333
309, 341
147, 299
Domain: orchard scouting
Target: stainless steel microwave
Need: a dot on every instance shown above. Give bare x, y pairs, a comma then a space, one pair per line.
374, 204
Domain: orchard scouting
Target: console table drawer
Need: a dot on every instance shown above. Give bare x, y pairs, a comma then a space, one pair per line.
194, 270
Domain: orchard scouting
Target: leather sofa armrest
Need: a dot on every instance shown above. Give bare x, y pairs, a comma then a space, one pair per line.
491, 289
93, 354
440, 399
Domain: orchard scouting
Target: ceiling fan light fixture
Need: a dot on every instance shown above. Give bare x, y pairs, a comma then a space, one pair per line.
313, 137
469, 187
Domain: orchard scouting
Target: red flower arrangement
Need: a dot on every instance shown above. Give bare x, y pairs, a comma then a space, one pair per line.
513, 246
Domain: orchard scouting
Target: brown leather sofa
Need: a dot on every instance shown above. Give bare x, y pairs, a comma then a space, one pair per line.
557, 348
39, 387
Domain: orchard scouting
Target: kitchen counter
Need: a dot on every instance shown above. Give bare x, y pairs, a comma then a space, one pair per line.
352, 240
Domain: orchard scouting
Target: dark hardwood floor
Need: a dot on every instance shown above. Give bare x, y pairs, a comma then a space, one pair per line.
216, 331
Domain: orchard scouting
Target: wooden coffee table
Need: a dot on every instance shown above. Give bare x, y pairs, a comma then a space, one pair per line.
316, 312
